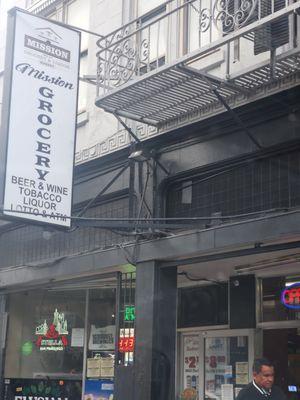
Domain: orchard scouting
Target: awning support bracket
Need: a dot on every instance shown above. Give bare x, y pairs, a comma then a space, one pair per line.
235, 117
212, 82
138, 141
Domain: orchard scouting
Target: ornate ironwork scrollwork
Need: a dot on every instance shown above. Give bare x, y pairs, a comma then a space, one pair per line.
118, 63
229, 15
204, 20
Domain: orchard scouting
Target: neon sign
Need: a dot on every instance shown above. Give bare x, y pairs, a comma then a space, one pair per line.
126, 345
27, 348
129, 314
54, 336
290, 296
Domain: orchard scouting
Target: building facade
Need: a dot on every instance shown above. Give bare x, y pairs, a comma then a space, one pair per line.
182, 265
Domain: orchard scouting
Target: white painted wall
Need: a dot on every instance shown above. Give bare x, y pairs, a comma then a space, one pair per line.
5, 5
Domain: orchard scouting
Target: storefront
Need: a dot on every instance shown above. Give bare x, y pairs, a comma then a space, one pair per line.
215, 359
61, 341
64, 341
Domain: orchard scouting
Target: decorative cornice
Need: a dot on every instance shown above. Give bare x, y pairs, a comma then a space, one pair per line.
113, 143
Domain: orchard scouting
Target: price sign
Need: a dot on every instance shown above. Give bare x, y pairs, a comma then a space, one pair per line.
126, 344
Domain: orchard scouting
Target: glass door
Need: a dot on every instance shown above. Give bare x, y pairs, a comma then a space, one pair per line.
216, 364
228, 358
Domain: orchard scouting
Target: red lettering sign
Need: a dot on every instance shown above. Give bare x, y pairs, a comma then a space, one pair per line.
126, 345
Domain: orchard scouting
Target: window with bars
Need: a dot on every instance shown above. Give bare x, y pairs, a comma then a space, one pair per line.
77, 13
258, 185
275, 34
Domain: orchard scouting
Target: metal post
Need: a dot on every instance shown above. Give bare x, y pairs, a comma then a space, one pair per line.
85, 345
131, 188
117, 317
3, 329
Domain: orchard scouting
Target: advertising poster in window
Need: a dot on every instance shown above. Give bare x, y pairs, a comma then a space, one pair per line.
28, 389
101, 389
191, 362
102, 338
39, 119
241, 369
216, 366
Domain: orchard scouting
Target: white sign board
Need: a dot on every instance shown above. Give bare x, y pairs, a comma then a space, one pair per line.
77, 338
102, 338
42, 121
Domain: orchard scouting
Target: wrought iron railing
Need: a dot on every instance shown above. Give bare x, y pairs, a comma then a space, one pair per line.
170, 34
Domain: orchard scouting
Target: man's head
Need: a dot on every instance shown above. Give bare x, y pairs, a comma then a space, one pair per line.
263, 373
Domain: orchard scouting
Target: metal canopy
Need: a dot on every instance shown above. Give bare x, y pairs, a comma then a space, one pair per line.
166, 95
284, 66
180, 90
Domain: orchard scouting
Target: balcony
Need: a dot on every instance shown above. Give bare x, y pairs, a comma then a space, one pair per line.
177, 61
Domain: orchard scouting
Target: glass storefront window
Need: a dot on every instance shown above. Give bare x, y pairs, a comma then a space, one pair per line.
272, 307
61, 342
46, 333
102, 332
40, 337
212, 300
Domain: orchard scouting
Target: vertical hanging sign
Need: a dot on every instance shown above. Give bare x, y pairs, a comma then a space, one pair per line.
39, 119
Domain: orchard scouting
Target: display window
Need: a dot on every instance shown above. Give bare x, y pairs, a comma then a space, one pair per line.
61, 343
43, 335
212, 300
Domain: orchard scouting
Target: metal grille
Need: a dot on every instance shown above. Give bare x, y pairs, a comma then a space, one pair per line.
265, 184
30, 243
126, 319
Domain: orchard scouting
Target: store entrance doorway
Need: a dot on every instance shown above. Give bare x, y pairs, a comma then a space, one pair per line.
216, 363
282, 347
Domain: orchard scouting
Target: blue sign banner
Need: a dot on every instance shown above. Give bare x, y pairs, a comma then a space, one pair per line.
99, 388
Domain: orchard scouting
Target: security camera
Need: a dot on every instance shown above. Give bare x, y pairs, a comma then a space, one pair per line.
297, 11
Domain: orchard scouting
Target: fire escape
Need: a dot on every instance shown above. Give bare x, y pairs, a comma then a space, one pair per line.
196, 58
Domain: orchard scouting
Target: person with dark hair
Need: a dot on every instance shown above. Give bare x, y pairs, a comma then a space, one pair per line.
262, 387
